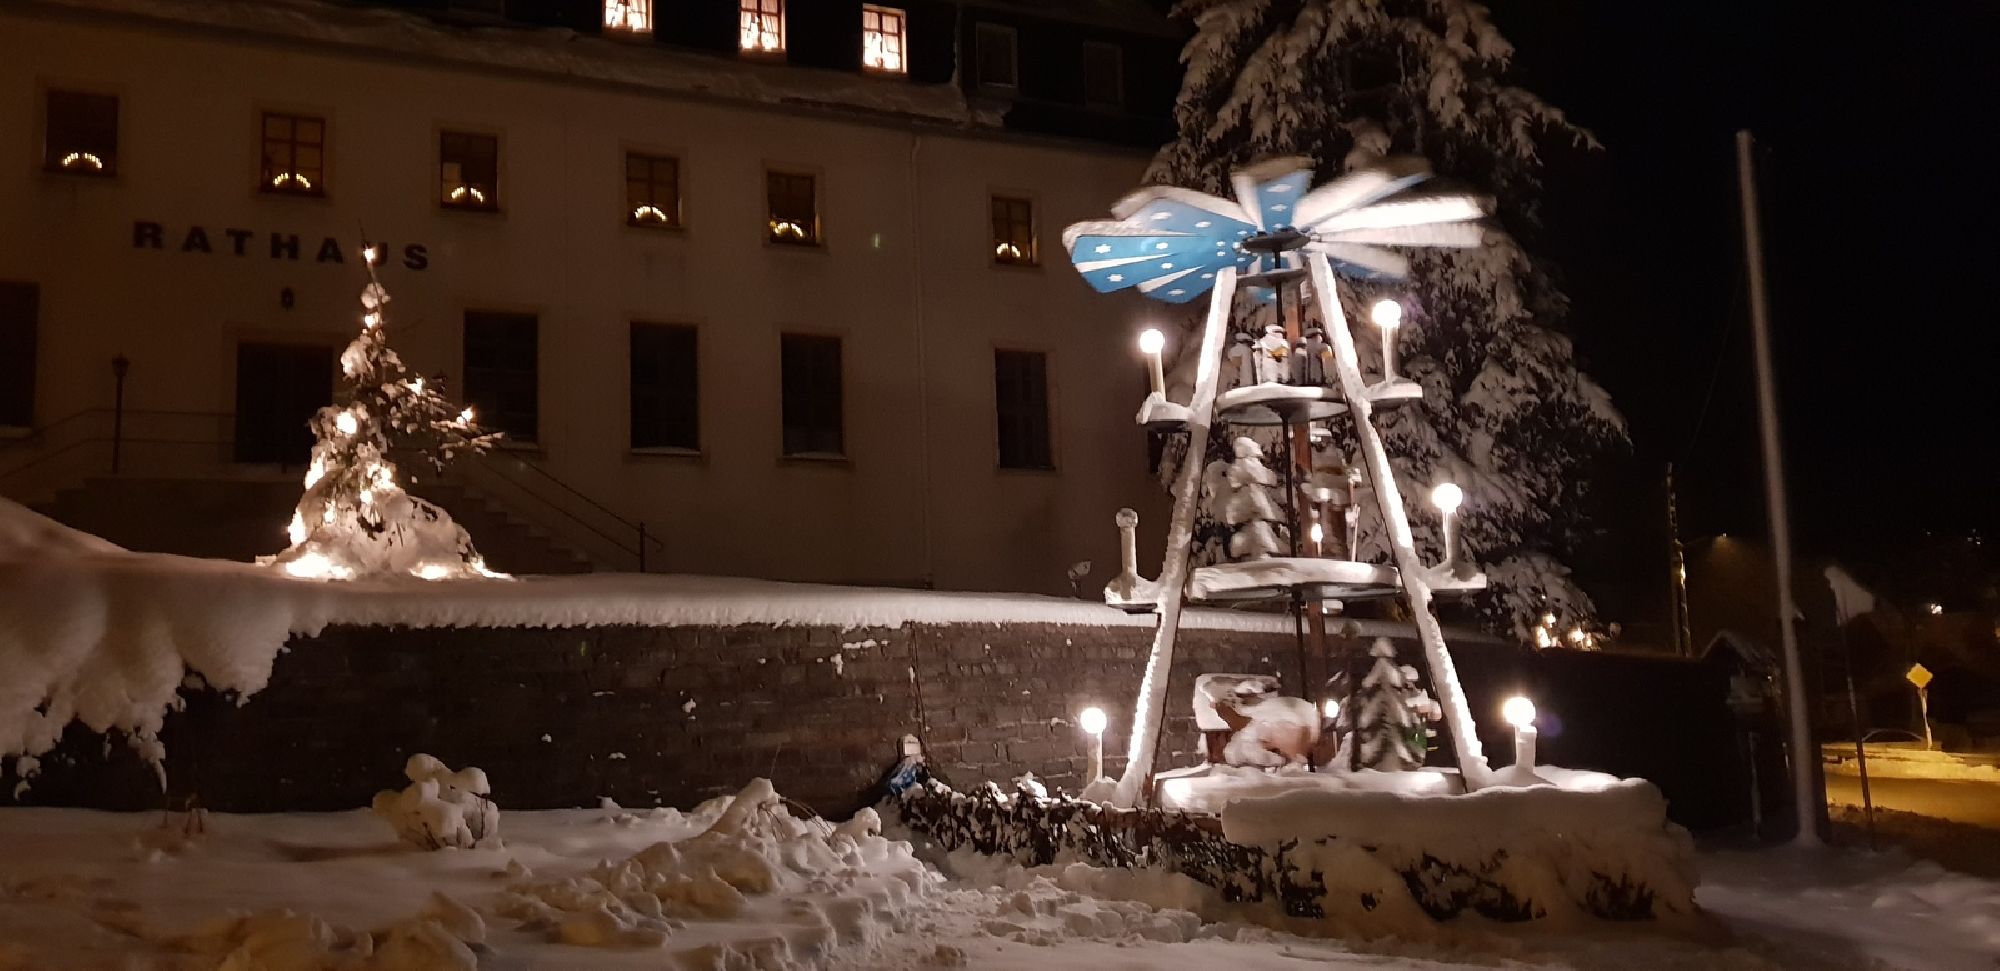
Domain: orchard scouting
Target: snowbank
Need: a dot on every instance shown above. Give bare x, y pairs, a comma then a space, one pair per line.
99, 635
753, 849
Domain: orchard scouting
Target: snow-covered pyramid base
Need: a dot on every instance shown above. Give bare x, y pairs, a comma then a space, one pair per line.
1352, 861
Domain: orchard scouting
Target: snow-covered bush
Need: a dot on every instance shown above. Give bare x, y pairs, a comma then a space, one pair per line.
441, 808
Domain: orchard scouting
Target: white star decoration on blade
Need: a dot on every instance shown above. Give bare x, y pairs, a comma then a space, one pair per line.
1353, 219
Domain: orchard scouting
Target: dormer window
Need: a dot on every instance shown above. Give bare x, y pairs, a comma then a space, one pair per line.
628, 16
995, 63
762, 26
883, 39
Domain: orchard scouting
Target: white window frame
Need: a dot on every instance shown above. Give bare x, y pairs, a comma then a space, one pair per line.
630, 17
1116, 54
901, 18
760, 9
980, 33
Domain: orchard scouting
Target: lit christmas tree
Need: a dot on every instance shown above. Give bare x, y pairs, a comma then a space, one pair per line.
356, 519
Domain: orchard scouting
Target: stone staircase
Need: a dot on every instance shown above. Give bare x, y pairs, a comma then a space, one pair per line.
242, 518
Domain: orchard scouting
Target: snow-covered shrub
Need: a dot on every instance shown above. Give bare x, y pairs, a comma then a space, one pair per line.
441, 808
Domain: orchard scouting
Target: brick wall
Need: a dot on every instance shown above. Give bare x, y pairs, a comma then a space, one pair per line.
675, 715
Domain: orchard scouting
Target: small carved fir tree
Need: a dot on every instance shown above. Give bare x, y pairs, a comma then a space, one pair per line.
1389, 715
356, 519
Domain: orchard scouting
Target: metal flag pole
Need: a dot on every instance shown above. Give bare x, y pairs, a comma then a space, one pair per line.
1809, 801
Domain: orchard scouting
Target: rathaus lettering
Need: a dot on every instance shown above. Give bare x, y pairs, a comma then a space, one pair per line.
277, 246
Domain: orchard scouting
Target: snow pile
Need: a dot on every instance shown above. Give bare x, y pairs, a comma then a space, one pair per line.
440, 808
442, 938
845, 884
1392, 862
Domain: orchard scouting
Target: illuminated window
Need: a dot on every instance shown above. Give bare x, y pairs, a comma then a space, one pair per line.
82, 134
762, 25
634, 16
883, 39
1014, 231
294, 154
995, 62
666, 400
809, 378
1103, 75
1021, 403
468, 171
794, 208
652, 191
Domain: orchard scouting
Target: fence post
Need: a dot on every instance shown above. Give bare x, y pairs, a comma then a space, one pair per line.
120, 365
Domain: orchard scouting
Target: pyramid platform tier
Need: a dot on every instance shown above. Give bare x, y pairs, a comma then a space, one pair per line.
1278, 404
1157, 413
1395, 392
1276, 577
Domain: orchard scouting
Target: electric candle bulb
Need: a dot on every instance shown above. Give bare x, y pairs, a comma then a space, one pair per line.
1447, 497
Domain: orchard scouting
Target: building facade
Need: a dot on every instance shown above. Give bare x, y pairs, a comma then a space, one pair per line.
781, 281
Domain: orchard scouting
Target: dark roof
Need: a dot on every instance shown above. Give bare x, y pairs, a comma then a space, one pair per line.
1749, 651
1128, 15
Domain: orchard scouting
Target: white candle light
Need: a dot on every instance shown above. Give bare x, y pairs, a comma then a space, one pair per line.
1447, 497
1388, 315
1520, 713
1152, 342
1092, 721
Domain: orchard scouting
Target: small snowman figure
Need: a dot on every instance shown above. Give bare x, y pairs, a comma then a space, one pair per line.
1250, 508
1272, 351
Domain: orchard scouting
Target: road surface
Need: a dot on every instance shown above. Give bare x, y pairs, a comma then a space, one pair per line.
1977, 803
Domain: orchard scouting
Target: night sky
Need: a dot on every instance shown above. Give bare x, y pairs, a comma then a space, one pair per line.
1877, 127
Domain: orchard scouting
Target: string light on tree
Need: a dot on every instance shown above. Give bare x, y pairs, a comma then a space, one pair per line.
355, 518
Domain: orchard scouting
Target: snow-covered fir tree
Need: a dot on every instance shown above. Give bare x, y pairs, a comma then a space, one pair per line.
1388, 715
356, 519
1506, 413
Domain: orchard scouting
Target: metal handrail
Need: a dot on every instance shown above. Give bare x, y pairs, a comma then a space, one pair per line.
572, 490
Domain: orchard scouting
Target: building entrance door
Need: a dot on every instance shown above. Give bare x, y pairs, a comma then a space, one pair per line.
278, 389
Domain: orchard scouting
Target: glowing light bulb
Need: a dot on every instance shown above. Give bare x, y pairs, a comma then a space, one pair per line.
1093, 720
1152, 341
1518, 711
371, 320
433, 571
1331, 709
1447, 497
368, 255
1387, 314
465, 417
346, 423
1318, 534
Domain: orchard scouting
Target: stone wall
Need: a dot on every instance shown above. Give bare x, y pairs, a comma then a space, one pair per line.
674, 715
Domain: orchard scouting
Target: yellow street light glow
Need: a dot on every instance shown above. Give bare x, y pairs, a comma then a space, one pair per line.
1093, 720
1518, 711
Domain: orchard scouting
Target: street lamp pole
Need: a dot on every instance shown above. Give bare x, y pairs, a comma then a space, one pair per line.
1810, 801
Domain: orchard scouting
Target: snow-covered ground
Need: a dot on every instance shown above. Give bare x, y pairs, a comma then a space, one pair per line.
754, 888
